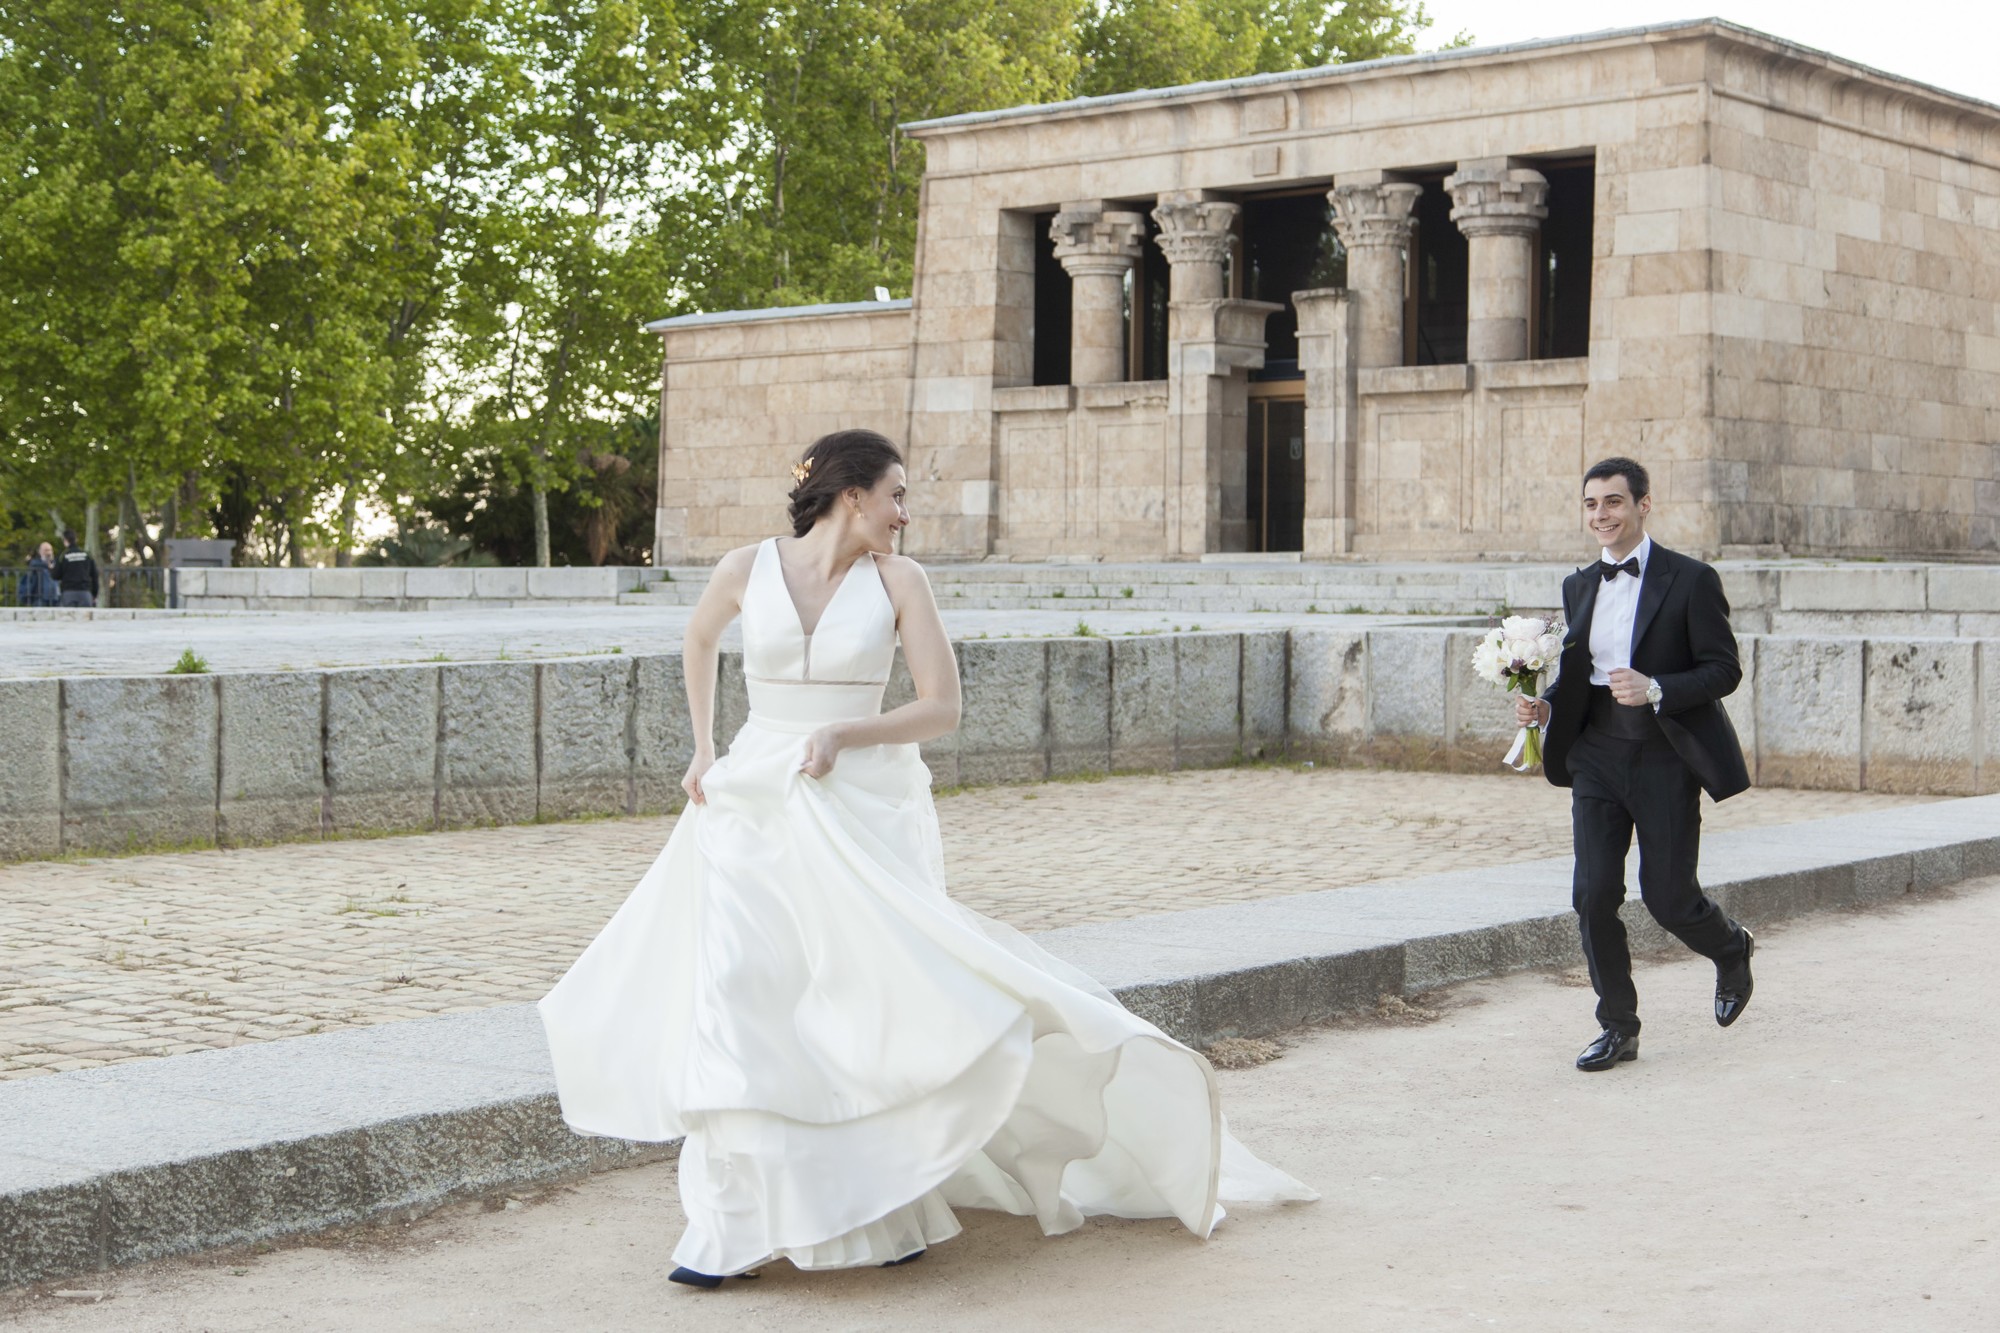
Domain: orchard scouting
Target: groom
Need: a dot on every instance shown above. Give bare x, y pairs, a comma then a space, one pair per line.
1634, 727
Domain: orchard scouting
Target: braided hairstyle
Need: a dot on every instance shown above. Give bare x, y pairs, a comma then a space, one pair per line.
833, 463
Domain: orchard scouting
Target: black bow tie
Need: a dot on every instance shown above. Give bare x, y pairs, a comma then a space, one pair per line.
1611, 571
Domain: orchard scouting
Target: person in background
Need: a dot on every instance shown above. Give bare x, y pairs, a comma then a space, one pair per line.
37, 586
76, 574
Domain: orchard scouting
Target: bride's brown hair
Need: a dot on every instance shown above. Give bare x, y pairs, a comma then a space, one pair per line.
832, 464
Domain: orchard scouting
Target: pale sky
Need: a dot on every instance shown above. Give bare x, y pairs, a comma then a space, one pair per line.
1951, 44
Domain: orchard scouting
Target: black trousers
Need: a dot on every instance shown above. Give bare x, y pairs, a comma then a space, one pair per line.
1620, 785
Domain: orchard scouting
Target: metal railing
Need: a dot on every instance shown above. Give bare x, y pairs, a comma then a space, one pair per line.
124, 587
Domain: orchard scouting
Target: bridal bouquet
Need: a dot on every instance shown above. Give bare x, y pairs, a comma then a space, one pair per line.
1514, 656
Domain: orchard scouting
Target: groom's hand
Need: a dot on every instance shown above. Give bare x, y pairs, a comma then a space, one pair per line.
1531, 712
1628, 687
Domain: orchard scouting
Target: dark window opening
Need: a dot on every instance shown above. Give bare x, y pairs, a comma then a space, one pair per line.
1434, 318
1562, 289
1275, 477
1052, 307
1146, 292
1289, 245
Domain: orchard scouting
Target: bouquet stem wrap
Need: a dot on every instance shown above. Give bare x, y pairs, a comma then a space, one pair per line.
1527, 751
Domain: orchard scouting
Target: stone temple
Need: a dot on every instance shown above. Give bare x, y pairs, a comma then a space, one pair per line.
1391, 310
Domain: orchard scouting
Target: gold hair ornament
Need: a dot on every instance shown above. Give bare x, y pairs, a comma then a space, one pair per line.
800, 471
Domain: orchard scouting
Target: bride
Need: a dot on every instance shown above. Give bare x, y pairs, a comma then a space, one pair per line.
849, 1053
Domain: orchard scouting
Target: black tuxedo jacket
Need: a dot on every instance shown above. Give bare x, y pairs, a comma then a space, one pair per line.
1681, 638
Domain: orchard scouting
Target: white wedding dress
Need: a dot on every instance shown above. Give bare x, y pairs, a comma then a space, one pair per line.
849, 1053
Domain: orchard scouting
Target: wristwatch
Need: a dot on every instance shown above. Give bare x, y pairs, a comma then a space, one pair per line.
1653, 694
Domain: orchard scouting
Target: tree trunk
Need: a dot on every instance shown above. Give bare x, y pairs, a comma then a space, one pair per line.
93, 549
343, 549
542, 525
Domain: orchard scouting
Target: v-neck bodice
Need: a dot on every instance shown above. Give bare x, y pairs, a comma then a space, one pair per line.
852, 647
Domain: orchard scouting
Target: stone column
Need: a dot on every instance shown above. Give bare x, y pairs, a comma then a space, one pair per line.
1195, 234
1500, 209
1373, 219
1211, 345
1326, 354
1098, 248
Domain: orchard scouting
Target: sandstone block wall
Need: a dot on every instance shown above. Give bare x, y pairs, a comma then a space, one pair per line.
742, 397
1449, 461
1080, 469
400, 589
1855, 235
271, 773
31, 779
110, 764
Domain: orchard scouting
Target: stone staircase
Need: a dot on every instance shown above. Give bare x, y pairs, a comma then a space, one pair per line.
1921, 600
1189, 587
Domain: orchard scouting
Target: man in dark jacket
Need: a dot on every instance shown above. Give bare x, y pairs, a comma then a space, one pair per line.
76, 574
37, 587
1634, 727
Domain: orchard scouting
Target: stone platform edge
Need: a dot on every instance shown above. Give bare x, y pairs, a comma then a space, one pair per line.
144, 1161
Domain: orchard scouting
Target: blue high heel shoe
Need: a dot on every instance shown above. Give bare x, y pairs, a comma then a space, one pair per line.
687, 1277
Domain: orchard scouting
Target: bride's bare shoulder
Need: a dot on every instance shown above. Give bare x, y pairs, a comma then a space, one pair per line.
899, 567
901, 575
735, 566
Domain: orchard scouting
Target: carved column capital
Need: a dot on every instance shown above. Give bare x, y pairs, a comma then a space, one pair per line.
1375, 222
1499, 208
1497, 201
1374, 216
1098, 249
1195, 230
1091, 241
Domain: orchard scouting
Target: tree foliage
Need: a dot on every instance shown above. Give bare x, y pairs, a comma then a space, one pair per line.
267, 263
1132, 44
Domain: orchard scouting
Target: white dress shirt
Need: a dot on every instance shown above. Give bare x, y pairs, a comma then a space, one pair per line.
1611, 620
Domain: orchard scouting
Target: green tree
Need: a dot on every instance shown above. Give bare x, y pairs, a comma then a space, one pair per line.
1131, 44
547, 334
222, 240
800, 186
435, 83
139, 179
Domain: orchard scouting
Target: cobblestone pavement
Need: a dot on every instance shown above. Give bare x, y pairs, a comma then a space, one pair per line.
116, 959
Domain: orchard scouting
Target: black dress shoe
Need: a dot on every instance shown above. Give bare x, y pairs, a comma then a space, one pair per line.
906, 1259
1732, 984
1609, 1049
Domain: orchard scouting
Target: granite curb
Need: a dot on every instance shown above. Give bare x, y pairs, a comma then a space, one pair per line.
143, 1161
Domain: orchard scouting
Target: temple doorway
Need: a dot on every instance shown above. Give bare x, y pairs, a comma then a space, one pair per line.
1276, 469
